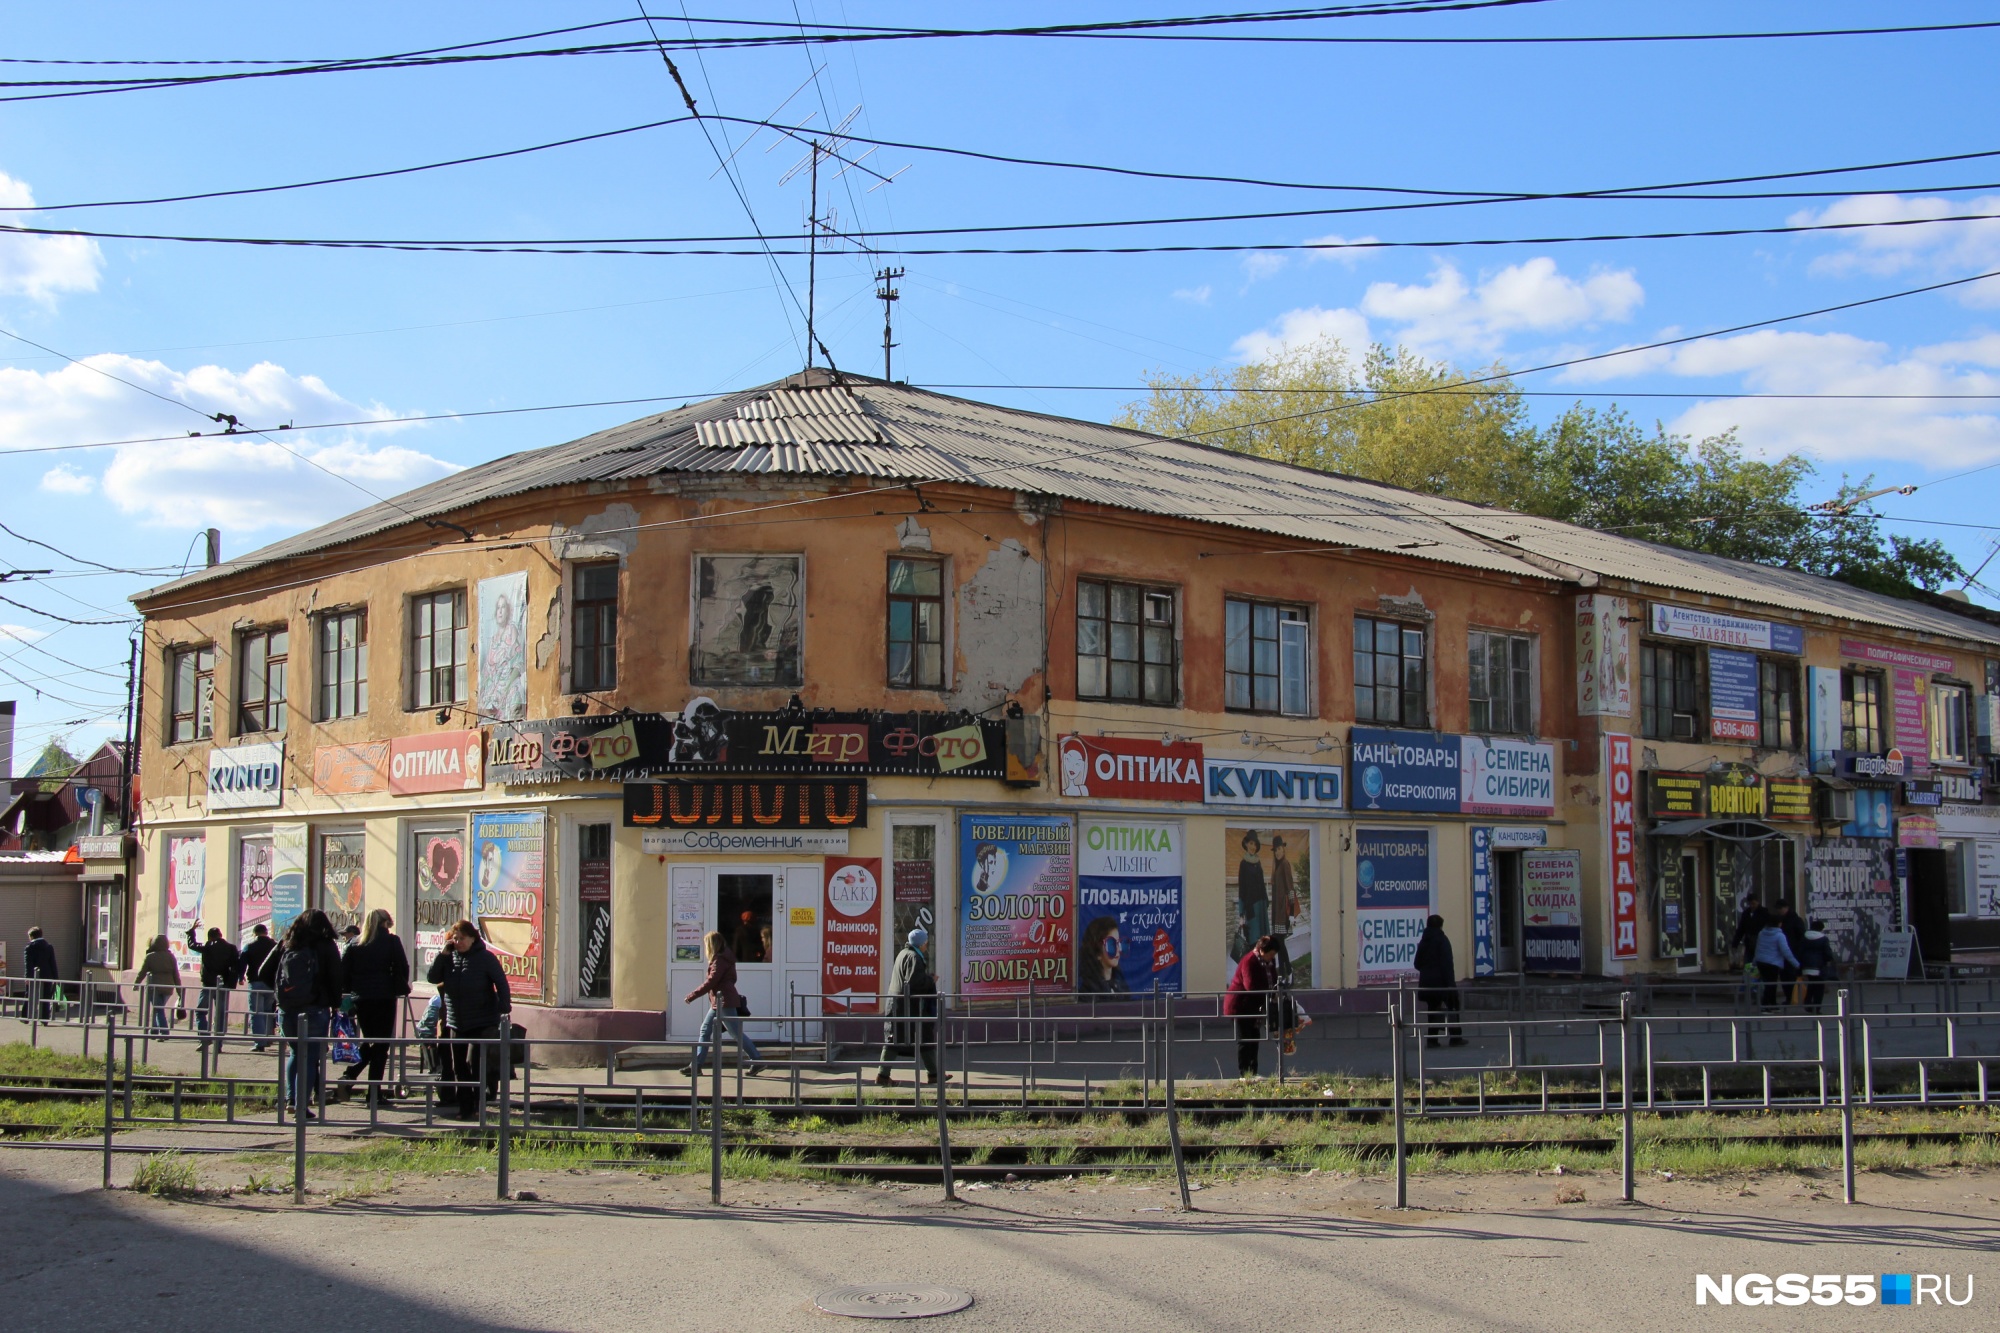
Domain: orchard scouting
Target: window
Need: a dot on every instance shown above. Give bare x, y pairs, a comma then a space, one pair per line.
1390, 673
1861, 711
1669, 693
593, 661
1502, 689
593, 899
437, 649
104, 922
916, 623
191, 672
260, 685
1778, 705
1951, 717
343, 664
1125, 644
1955, 855
1266, 658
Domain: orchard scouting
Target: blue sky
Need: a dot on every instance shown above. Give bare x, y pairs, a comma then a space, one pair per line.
304, 335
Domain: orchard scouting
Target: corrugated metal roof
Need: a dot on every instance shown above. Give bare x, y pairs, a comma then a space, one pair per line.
872, 429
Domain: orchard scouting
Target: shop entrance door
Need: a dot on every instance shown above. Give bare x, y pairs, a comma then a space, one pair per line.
1507, 893
1694, 903
769, 917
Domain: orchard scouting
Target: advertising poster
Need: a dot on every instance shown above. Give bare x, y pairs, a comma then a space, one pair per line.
508, 854
1913, 736
1482, 903
914, 874
343, 883
851, 939
503, 647
1392, 901
440, 897
1822, 716
1732, 695
1267, 890
1986, 868
593, 909
187, 880
1603, 656
1621, 853
1016, 926
689, 899
1552, 910
1130, 879
350, 770
288, 875
1849, 886
253, 885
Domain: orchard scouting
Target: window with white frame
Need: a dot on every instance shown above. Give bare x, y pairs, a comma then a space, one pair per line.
438, 637
1951, 723
1266, 657
343, 664
1502, 683
191, 706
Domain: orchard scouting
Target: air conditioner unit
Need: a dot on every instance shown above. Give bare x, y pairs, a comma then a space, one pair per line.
1836, 805
1684, 726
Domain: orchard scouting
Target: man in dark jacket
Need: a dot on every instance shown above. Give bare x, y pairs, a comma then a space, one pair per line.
1815, 955
476, 1002
1748, 925
263, 1003
221, 969
377, 974
38, 960
911, 1004
1437, 983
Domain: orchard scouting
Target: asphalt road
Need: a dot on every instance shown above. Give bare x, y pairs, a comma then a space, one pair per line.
610, 1252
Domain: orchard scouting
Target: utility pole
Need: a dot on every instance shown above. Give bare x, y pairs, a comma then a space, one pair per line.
888, 296
812, 249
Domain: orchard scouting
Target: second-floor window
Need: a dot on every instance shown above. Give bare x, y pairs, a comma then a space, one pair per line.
1951, 716
1266, 658
1126, 647
437, 649
916, 623
262, 656
1861, 711
1391, 673
1502, 683
343, 664
1778, 705
1669, 693
593, 663
191, 714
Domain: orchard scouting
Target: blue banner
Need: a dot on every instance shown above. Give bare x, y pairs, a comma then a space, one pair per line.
1392, 868
1404, 770
1482, 902
1732, 694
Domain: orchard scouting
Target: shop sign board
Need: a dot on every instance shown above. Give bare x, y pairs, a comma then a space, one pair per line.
1127, 768
1130, 906
1969, 788
747, 803
1510, 837
1392, 900
604, 748
1620, 847
1892, 955
1737, 792
1506, 777
1732, 695
350, 770
1017, 913
851, 935
1788, 800
1762, 636
1483, 959
1676, 795
743, 842
1258, 782
1915, 658
1908, 695
509, 892
246, 777
1917, 831
1404, 770
1603, 656
1552, 910
1971, 821
1918, 792
1864, 767
440, 761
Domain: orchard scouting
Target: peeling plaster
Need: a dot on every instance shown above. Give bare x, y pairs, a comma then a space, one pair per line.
1000, 615
545, 647
912, 535
608, 535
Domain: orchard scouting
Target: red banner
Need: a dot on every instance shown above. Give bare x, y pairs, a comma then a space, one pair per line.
1127, 769
851, 936
440, 761
1621, 812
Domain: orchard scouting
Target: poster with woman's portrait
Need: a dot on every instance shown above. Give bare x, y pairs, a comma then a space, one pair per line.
1129, 885
749, 615
503, 647
1267, 890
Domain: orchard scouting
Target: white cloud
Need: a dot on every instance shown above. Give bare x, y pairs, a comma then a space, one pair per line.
1938, 247
1262, 264
1448, 316
1338, 249
1194, 295
21, 633
1297, 328
242, 482
65, 480
38, 267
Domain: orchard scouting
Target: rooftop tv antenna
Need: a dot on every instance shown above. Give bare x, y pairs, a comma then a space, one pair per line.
831, 146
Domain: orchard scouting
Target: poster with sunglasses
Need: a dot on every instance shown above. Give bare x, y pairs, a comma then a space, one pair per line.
1130, 899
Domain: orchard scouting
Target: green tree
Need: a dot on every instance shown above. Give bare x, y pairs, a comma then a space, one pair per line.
1432, 427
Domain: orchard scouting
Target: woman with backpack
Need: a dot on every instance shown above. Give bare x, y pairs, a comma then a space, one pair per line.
304, 971
377, 973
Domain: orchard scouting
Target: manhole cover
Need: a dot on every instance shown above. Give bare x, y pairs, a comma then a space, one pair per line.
889, 1301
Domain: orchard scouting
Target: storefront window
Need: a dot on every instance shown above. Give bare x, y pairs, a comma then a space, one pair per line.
593, 901
342, 883
440, 891
256, 866
914, 881
104, 923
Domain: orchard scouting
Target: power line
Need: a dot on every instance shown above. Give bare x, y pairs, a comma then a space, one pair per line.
109, 569
64, 619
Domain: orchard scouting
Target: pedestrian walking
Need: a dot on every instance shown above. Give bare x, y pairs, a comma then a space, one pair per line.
159, 983
38, 961
304, 973
1437, 984
476, 1002
1815, 955
911, 997
1749, 922
1248, 1000
377, 975
1775, 961
263, 1001
725, 1006
221, 968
